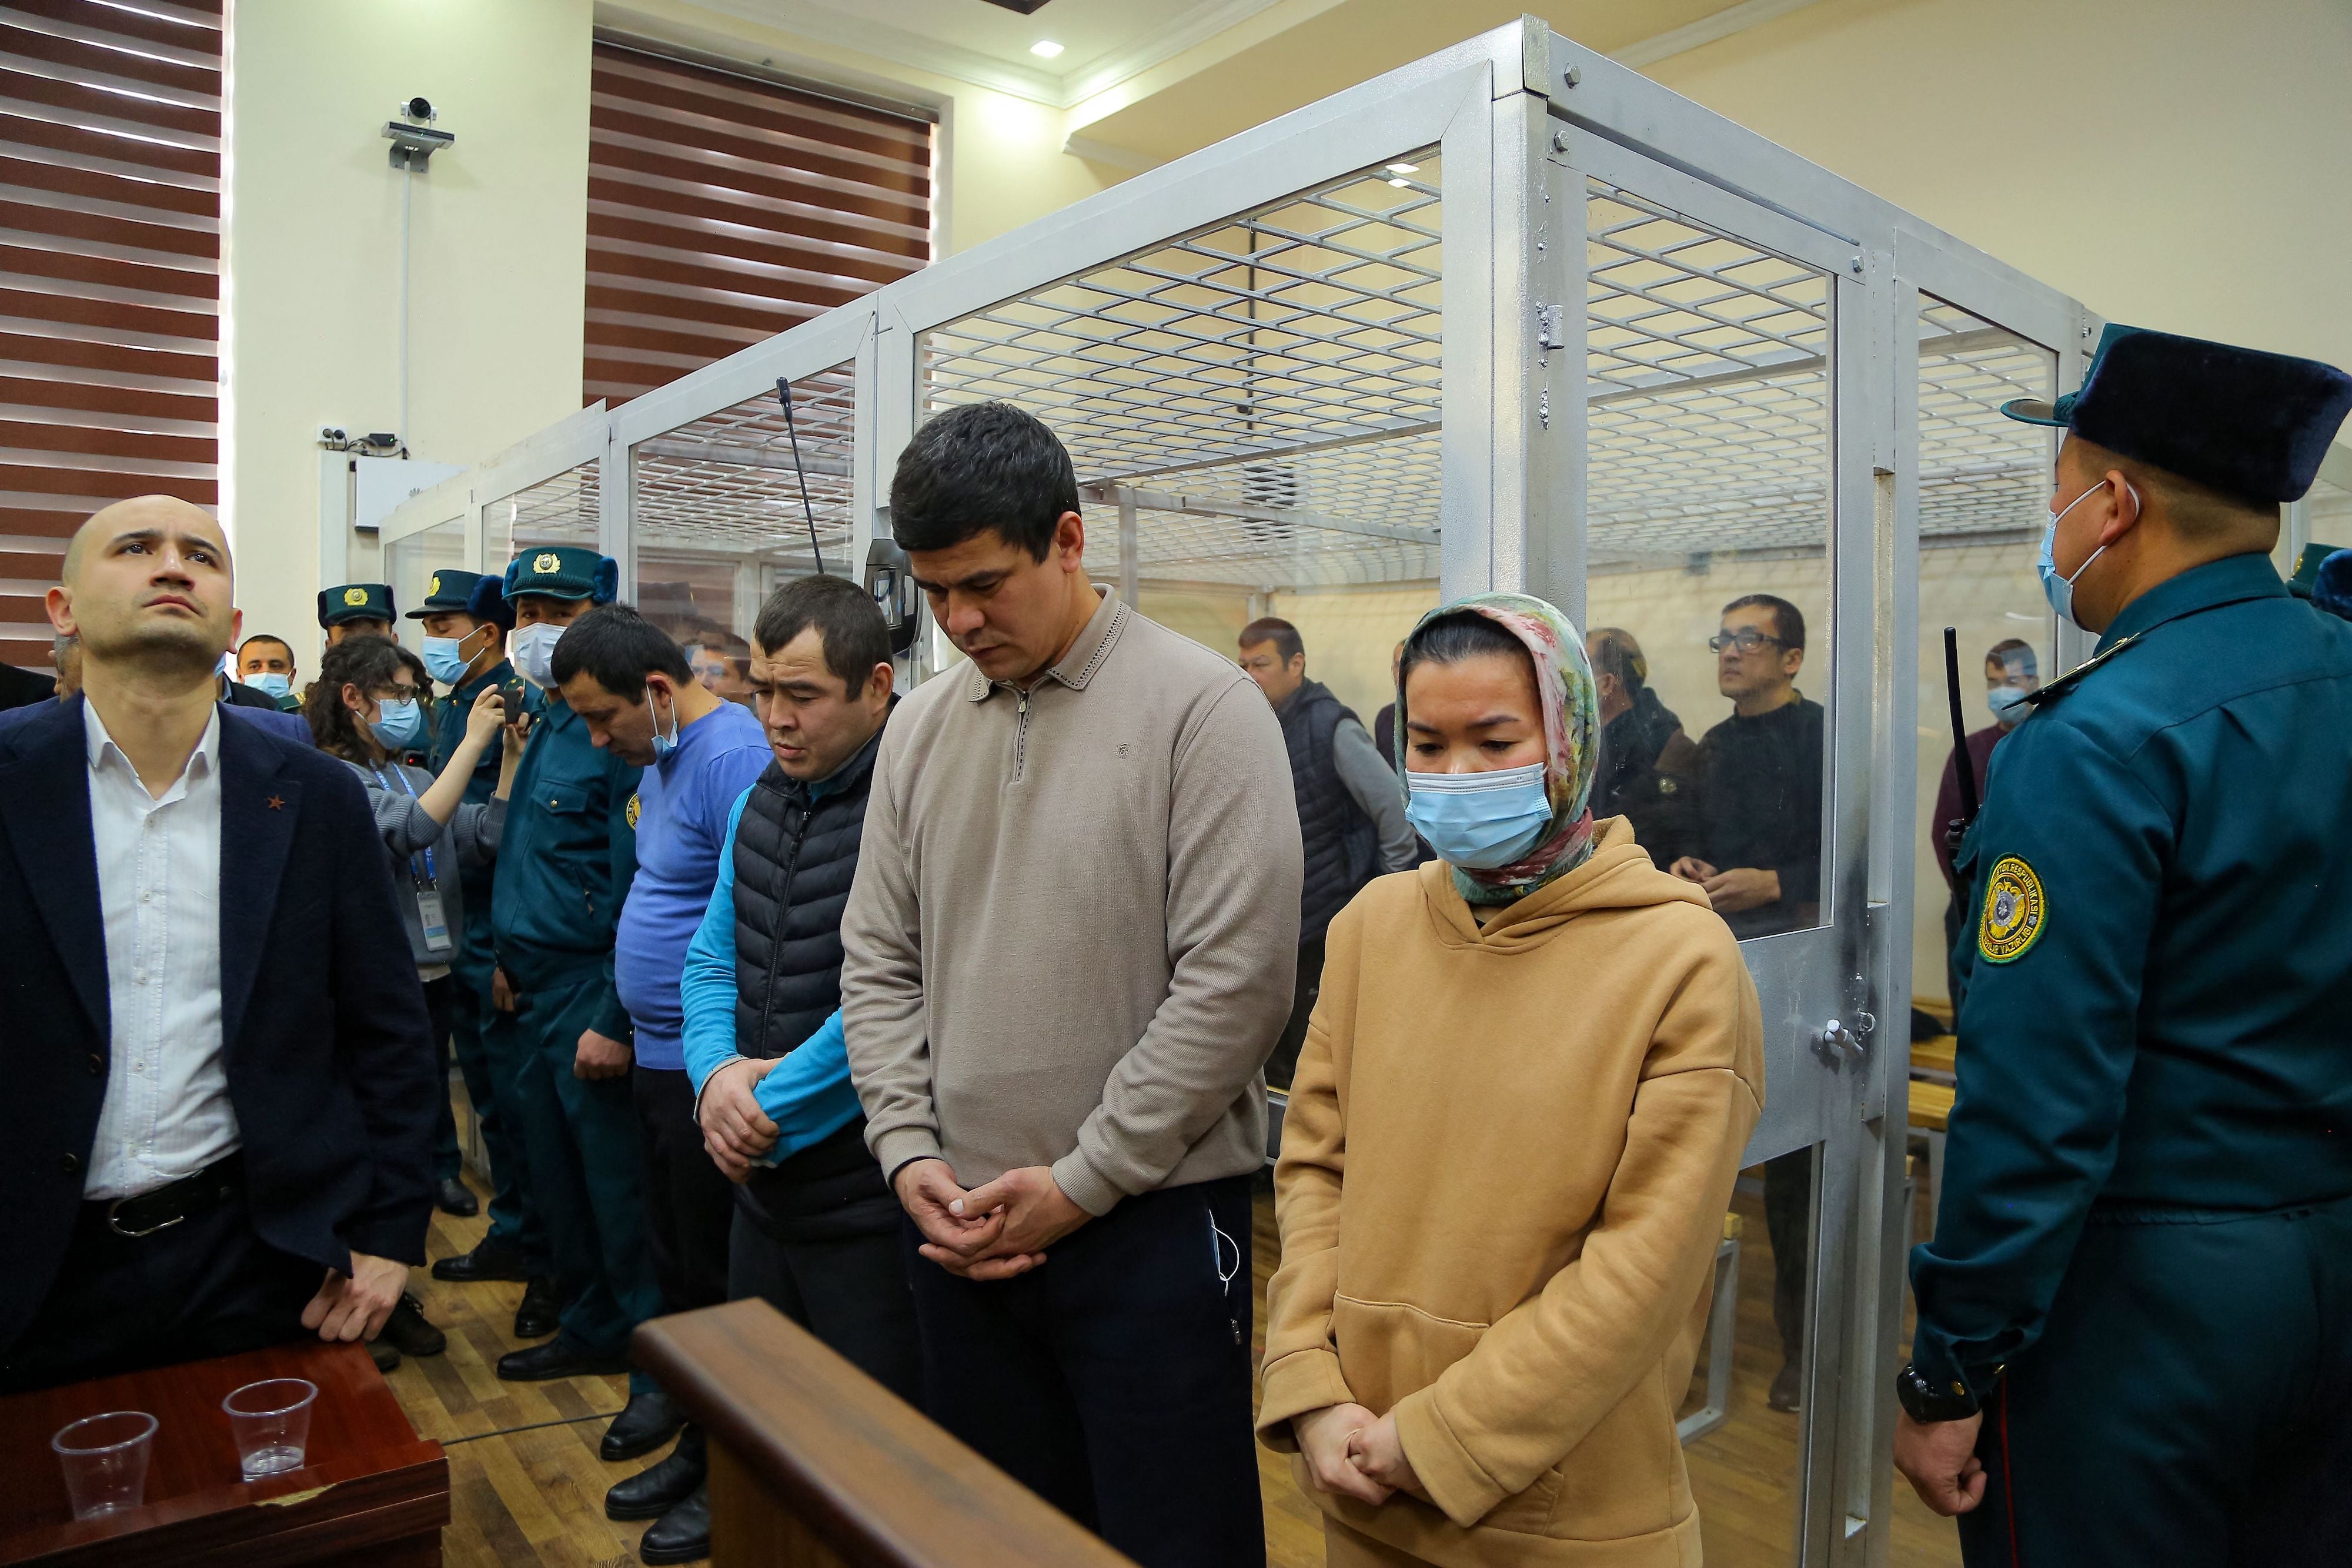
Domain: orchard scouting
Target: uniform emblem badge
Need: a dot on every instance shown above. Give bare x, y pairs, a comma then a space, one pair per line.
436, 590
546, 563
2013, 912
633, 813
354, 597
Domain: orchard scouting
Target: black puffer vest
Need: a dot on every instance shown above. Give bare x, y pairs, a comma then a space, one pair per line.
1342, 844
794, 860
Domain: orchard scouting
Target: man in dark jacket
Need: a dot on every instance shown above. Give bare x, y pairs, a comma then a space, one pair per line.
1350, 808
1649, 768
816, 1231
218, 1128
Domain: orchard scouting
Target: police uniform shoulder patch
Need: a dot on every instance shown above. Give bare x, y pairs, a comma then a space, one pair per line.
2014, 912
354, 596
546, 563
633, 813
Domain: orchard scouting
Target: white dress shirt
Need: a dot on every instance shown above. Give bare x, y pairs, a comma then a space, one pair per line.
166, 1113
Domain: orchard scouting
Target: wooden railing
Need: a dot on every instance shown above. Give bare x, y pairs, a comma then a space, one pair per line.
814, 1465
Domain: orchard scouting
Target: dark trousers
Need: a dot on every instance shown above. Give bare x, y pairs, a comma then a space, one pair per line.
489, 1057
689, 1205
850, 1292
2185, 1407
1789, 1221
1114, 1381
1284, 1062
207, 1286
586, 1173
447, 1159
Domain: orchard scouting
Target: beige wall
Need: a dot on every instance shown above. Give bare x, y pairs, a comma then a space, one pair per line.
497, 260
498, 239
1351, 634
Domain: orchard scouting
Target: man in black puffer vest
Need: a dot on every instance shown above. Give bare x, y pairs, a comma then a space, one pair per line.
816, 1231
1351, 818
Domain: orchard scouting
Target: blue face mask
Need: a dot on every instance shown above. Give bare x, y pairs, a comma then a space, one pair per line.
2006, 703
664, 744
1483, 820
279, 686
2060, 590
533, 649
397, 723
444, 658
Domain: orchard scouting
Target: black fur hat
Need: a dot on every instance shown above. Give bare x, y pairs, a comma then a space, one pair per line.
2250, 424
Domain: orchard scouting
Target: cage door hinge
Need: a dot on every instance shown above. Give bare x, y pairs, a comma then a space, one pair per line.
1551, 325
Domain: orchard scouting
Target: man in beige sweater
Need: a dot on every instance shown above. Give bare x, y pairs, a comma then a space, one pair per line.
1069, 950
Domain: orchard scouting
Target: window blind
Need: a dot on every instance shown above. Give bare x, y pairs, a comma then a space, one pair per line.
723, 209
109, 275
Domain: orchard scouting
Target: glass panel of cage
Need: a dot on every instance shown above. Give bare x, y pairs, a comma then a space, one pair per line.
411, 564
1708, 508
1253, 410
726, 508
2327, 510
560, 509
1984, 495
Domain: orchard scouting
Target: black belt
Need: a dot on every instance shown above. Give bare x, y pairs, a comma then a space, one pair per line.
185, 1198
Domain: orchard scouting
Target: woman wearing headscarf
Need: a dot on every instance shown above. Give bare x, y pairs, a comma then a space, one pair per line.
1511, 1140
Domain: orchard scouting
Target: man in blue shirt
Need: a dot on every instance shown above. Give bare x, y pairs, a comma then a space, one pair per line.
2135, 1333
815, 1228
632, 686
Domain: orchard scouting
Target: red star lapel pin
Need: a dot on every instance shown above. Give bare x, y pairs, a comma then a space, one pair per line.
276, 802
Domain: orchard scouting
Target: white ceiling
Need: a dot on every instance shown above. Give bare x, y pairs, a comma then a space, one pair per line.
1105, 42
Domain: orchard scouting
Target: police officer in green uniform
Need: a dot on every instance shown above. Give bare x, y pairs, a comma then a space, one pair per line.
356, 610
565, 861
467, 618
2135, 1321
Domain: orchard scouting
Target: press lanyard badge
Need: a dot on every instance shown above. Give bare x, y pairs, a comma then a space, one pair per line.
431, 918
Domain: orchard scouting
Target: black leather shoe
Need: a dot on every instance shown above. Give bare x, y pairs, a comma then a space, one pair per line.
409, 1331
489, 1260
644, 1424
561, 1357
1788, 1391
384, 1353
454, 1197
651, 1493
681, 1535
541, 1312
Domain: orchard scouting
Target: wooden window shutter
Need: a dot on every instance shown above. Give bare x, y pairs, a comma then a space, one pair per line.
723, 209
109, 275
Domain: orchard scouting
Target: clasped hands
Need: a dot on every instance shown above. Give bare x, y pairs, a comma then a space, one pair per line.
1732, 892
737, 1134
996, 1230
1350, 1451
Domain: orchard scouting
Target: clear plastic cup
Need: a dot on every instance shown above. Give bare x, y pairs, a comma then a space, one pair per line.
105, 1459
271, 1422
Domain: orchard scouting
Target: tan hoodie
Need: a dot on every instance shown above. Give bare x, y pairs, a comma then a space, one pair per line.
1538, 1125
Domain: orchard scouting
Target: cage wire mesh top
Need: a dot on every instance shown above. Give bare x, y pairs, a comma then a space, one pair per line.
1980, 471
726, 484
559, 510
1267, 387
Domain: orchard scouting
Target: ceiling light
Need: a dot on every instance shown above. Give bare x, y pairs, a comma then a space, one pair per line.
1405, 168
1402, 184
1045, 48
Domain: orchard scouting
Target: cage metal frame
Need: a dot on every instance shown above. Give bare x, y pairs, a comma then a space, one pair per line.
1522, 119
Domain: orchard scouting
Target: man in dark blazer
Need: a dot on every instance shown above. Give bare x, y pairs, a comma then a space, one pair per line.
220, 1114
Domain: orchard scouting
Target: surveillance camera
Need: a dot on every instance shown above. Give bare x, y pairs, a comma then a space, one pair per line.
417, 108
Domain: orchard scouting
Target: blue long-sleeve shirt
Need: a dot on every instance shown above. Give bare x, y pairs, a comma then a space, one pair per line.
807, 1094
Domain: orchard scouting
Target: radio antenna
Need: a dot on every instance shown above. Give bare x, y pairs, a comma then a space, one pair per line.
784, 396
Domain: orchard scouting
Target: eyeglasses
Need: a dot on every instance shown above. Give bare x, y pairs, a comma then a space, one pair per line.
1746, 639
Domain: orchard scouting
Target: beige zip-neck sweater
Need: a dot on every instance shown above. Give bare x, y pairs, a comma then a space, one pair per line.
1074, 925
1504, 1173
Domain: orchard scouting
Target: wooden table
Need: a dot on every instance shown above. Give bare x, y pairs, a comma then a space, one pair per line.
374, 1493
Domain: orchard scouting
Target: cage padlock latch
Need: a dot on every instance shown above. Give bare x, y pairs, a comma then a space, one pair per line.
1837, 1045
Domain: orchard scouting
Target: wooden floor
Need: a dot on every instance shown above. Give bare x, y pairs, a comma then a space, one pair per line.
527, 1487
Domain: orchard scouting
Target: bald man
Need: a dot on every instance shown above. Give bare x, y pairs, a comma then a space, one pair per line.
217, 1121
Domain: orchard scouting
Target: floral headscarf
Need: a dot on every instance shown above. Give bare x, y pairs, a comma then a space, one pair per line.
1572, 714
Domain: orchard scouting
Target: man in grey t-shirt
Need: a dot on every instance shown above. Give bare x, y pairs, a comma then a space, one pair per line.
1068, 953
